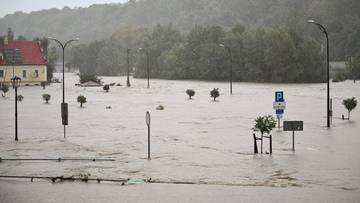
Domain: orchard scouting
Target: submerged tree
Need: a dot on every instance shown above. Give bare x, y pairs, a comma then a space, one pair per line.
20, 97
215, 93
190, 92
81, 99
5, 89
264, 124
43, 84
46, 97
106, 88
350, 104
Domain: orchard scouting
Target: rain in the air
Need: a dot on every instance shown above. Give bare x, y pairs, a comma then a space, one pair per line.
179, 101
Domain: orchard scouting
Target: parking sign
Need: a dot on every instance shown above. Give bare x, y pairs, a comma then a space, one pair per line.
279, 104
279, 96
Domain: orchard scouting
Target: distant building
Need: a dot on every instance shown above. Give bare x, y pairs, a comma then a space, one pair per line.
24, 59
337, 65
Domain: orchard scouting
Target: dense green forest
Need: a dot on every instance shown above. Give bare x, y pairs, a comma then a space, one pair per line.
98, 22
206, 53
262, 40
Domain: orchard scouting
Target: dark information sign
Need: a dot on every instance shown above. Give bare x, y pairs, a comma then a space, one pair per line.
293, 125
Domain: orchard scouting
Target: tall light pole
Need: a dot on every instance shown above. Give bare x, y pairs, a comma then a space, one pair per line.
16, 82
128, 67
64, 106
323, 29
231, 61
147, 66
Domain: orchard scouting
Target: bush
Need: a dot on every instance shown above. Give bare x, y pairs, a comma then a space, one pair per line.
43, 84
81, 99
215, 93
350, 104
87, 78
46, 97
20, 97
340, 75
190, 92
106, 88
5, 89
160, 107
264, 124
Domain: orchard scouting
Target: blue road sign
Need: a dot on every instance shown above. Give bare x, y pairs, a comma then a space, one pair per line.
279, 96
279, 111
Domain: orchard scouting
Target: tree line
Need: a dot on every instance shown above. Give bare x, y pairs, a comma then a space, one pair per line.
97, 22
206, 52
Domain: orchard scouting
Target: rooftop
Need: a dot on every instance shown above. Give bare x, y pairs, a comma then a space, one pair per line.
21, 52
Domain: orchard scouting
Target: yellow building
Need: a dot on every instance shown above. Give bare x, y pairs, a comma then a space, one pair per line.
23, 59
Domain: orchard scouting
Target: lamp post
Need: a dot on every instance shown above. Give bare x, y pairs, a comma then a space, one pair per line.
64, 106
147, 66
231, 61
16, 82
323, 29
128, 67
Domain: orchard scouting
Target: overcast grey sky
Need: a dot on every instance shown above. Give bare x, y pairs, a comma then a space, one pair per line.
10, 6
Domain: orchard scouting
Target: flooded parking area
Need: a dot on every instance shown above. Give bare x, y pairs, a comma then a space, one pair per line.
195, 140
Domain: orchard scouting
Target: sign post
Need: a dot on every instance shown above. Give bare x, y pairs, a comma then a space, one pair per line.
331, 112
293, 126
279, 105
148, 120
64, 115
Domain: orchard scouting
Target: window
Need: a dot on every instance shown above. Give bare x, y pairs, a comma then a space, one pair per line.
36, 73
24, 73
1, 73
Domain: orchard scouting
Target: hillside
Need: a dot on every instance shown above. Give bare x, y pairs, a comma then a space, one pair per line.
101, 21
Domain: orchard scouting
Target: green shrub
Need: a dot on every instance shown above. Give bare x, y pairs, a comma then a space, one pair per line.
350, 104
264, 124
81, 99
106, 88
215, 93
46, 97
43, 84
20, 97
340, 75
90, 77
190, 92
5, 89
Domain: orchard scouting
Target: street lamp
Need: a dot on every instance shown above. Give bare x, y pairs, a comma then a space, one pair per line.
323, 29
128, 67
147, 66
64, 106
231, 61
16, 82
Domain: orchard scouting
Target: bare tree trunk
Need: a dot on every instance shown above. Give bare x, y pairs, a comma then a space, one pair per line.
262, 134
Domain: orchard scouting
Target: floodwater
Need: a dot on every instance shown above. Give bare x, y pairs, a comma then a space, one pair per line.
195, 140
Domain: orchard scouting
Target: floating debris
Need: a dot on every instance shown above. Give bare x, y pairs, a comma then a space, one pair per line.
160, 107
